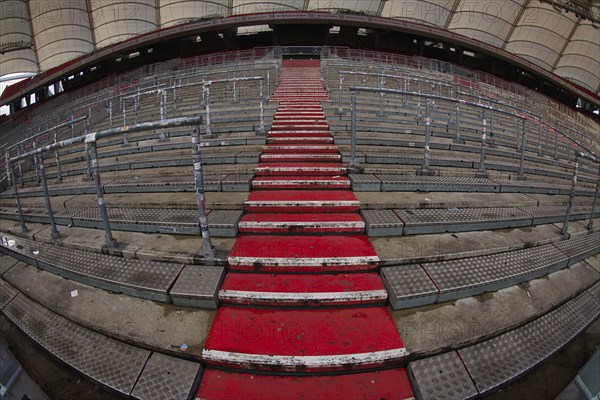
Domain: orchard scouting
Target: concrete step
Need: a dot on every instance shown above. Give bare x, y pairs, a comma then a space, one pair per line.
383, 384
301, 223
300, 169
304, 182
300, 157
287, 290
305, 340
301, 201
293, 254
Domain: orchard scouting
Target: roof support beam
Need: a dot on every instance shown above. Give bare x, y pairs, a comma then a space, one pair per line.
27, 6
158, 18
89, 6
306, 4
567, 41
514, 25
381, 6
451, 14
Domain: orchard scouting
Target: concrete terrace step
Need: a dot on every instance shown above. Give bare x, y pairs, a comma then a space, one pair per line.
301, 201
427, 283
300, 169
302, 223
287, 290
485, 367
305, 182
114, 365
291, 254
383, 384
306, 340
152, 280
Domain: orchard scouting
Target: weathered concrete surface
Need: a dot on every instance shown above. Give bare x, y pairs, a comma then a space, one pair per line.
6, 263
157, 326
380, 200
421, 248
437, 328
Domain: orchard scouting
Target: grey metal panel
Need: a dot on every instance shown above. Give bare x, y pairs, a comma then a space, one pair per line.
580, 247
167, 378
514, 186
382, 223
224, 223
407, 183
365, 183
436, 220
237, 182
442, 377
140, 278
7, 293
197, 286
408, 286
499, 360
22, 249
475, 275
359, 157
111, 363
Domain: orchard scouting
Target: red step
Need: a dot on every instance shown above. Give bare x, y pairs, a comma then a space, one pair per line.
285, 290
300, 133
306, 340
292, 254
302, 223
300, 157
294, 126
301, 201
300, 169
300, 149
301, 182
299, 140
389, 384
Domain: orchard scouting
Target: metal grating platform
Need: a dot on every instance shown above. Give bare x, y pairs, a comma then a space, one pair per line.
197, 286
408, 183
382, 223
442, 377
113, 364
580, 247
135, 277
167, 378
408, 286
7, 293
498, 361
418, 221
365, 183
501, 359
224, 222
472, 276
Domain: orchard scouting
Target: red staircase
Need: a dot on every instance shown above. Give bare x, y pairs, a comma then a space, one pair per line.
302, 304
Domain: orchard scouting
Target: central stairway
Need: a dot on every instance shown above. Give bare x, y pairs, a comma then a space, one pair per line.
303, 310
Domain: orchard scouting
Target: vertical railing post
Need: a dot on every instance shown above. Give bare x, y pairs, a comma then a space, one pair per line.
491, 144
20, 149
7, 164
206, 94
111, 243
110, 113
53, 231
540, 150
481, 171
565, 229
24, 229
555, 145
521, 176
36, 162
340, 110
353, 163
261, 100
424, 170
457, 138
381, 94
591, 221
208, 250
163, 112
57, 157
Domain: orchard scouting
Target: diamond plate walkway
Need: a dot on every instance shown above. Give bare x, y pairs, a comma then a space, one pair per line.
302, 295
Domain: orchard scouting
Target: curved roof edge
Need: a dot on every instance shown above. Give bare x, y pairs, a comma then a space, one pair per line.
305, 17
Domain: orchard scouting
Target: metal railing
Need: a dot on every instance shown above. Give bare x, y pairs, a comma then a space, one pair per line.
90, 140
